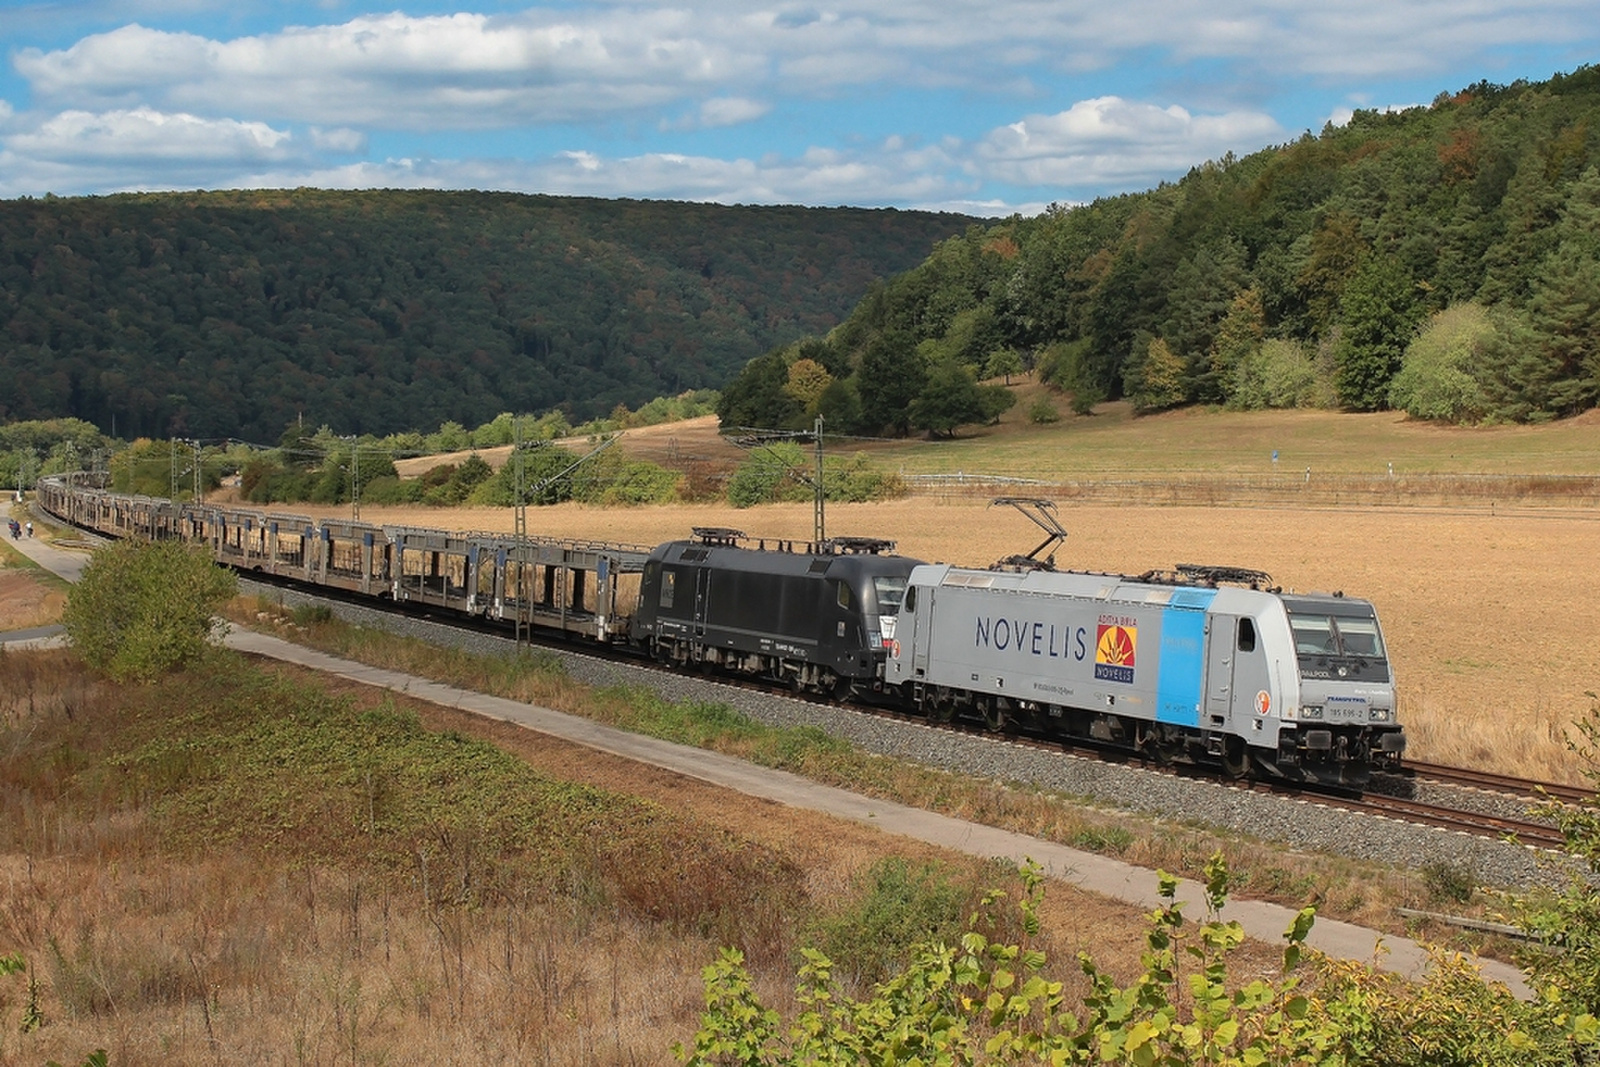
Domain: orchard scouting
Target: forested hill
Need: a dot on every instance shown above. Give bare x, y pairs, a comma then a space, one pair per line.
1442, 259
231, 314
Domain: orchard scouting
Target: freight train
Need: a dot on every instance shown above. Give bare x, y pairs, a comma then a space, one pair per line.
1207, 665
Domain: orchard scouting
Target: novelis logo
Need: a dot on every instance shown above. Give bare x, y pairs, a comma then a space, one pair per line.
1115, 649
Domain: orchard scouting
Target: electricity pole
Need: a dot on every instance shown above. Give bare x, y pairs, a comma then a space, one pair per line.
758, 440
355, 478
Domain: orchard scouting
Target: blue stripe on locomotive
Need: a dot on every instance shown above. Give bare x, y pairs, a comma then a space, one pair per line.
1183, 657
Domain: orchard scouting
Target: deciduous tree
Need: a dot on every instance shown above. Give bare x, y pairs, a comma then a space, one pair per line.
143, 608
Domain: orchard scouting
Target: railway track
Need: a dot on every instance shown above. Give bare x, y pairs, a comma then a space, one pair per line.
1499, 783
1401, 808
1525, 831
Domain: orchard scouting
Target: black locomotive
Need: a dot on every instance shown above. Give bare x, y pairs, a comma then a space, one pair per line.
818, 621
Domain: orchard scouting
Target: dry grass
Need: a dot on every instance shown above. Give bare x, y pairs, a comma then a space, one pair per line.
26, 601
29, 597
163, 941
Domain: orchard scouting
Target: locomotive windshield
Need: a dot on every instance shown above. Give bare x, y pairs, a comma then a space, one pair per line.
1330, 635
1341, 644
890, 590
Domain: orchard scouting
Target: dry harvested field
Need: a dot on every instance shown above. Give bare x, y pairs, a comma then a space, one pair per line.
1490, 617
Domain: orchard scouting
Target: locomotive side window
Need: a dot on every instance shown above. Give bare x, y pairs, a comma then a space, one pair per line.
668, 581
911, 599
844, 595
1247, 636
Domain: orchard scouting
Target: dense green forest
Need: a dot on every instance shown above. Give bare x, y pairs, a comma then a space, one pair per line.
1444, 260
234, 314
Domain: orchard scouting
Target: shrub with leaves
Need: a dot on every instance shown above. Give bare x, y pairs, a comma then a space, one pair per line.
984, 1001
143, 608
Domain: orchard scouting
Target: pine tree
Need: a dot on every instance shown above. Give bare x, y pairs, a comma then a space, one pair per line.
1239, 337
1379, 317
892, 374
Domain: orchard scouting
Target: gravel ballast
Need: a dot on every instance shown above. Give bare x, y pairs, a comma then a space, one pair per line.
1297, 824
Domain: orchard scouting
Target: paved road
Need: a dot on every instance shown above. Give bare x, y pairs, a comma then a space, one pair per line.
1099, 874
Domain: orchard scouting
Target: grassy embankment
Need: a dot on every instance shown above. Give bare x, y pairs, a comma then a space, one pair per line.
29, 595
1340, 887
1199, 441
236, 864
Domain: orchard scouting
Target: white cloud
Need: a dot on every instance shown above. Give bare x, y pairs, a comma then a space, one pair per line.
145, 135
731, 111
589, 62
1109, 139
343, 139
454, 71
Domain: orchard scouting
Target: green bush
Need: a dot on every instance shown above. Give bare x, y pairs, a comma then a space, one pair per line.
980, 1000
784, 472
143, 608
1436, 379
901, 906
770, 474
389, 489
1279, 374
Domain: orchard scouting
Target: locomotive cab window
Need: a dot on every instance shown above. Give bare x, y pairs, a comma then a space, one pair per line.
890, 591
844, 595
910, 601
668, 581
1360, 637
1247, 635
1313, 635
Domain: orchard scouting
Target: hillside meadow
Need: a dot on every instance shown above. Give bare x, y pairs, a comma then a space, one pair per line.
1196, 441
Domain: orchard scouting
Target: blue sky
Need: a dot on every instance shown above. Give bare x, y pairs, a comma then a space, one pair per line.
987, 108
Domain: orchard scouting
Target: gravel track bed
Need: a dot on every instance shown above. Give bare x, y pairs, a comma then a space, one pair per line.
1298, 824
1462, 798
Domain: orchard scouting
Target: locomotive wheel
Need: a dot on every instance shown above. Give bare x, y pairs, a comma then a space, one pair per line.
993, 717
1235, 758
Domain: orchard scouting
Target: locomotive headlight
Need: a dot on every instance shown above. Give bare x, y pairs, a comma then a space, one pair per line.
1311, 711
1378, 715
